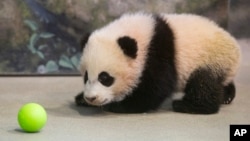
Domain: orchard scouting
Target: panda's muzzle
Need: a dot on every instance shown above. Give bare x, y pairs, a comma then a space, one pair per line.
95, 101
90, 99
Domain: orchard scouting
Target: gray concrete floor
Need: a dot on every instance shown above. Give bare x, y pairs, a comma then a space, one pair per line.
68, 122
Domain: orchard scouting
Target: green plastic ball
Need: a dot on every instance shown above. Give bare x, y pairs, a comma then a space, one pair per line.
32, 117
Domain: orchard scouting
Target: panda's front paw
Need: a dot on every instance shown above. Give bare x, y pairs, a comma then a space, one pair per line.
79, 100
114, 108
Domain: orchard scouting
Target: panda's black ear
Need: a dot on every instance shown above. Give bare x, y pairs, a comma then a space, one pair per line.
84, 40
128, 46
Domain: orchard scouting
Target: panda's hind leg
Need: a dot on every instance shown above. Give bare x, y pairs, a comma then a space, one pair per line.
203, 93
229, 93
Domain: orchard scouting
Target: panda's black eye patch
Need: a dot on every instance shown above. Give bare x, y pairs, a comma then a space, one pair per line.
85, 77
105, 79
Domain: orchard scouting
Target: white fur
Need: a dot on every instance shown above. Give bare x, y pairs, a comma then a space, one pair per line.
200, 42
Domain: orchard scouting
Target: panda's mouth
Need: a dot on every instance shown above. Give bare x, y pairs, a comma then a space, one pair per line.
105, 101
98, 102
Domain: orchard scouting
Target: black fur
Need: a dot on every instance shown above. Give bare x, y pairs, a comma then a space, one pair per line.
159, 76
128, 46
229, 93
105, 79
84, 40
86, 77
203, 93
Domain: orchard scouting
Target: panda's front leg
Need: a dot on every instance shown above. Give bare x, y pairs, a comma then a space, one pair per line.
132, 104
116, 107
121, 107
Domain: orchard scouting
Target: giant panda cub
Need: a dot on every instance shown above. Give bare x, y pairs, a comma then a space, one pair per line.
137, 61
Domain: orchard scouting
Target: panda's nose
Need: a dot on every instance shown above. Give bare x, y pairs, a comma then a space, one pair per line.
90, 99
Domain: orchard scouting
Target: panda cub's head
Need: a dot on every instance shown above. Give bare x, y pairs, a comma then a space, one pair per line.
113, 59
106, 68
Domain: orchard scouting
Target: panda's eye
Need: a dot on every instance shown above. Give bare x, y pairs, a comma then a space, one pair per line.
105, 79
85, 77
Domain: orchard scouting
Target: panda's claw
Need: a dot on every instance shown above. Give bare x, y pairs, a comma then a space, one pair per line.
228, 101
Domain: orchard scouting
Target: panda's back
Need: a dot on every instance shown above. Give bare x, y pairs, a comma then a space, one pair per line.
199, 43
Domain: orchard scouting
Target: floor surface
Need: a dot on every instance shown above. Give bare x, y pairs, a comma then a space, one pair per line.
68, 122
